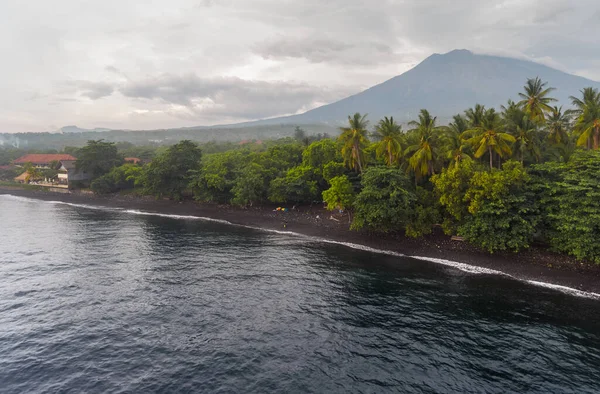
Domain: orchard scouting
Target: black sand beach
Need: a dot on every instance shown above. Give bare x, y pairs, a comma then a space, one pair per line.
535, 264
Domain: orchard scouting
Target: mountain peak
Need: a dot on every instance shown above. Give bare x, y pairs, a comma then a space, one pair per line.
461, 52
446, 84
452, 55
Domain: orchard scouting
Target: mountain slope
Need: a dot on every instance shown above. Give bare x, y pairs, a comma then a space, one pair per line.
444, 84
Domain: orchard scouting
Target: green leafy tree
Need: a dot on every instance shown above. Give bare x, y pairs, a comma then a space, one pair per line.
450, 187
354, 141
299, 185
587, 122
119, 178
250, 186
389, 138
320, 153
98, 158
568, 195
503, 215
385, 202
333, 169
340, 195
425, 213
218, 174
168, 175
489, 137
535, 101
279, 158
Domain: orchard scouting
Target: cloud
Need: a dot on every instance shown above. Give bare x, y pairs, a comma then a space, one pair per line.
95, 90
319, 49
191, 96
198, 61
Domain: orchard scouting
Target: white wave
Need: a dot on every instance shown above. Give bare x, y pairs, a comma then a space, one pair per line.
565, 289
166, 215
471, 269
37, 201
86, 206
18, 198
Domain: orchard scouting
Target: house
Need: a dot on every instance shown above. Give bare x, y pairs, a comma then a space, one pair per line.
69, 173
42, 160
133, 160
65, 165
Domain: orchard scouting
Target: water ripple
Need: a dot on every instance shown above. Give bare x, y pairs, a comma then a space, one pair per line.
115, 301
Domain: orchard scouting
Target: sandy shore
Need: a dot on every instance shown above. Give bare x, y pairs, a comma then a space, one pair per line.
535, 264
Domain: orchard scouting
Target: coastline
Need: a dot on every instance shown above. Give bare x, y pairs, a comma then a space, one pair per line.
536, 265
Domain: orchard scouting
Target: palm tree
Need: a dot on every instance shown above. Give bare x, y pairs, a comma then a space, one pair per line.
33, 173
423, 150
475, 115
454, 144
489, 137
587, 122
389, 135
535, 101
520, 125
354, 140
557, 125
527, 139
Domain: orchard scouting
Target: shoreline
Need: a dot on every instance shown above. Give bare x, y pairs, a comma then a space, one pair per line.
535, 265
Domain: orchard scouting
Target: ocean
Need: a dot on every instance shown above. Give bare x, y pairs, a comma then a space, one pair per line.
102, 300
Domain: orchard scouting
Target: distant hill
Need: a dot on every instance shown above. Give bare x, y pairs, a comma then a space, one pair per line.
445, 85
75, 129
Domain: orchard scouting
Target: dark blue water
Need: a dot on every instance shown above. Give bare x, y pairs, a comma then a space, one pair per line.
109, 301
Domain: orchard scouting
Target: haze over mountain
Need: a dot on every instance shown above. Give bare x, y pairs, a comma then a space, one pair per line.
445, 85
75, 129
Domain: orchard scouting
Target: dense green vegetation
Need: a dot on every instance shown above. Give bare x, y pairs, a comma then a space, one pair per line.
502, 179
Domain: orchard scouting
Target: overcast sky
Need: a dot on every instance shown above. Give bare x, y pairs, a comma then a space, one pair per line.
144, 64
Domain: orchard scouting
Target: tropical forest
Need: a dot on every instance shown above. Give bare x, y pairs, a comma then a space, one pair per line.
500, 179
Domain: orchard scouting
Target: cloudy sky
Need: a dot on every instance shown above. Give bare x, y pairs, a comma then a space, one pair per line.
144, 64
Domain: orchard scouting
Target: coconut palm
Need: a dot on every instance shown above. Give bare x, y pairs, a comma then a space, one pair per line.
535, 101
33, 173
587, 122
388, 133
354, 140
526, 132
423, 150
527, 139
456, 147
557, 126
489, 137
475, 115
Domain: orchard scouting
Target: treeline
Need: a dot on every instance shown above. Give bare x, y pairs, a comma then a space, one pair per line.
500, 179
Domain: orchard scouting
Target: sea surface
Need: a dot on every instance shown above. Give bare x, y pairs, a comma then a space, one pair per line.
108, 300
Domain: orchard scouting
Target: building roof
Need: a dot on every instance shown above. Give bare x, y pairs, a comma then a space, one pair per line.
21, 177
38, 158
133, 160
68, 164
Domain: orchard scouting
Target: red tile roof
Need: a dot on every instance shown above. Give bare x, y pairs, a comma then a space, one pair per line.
37, 158
133, 160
